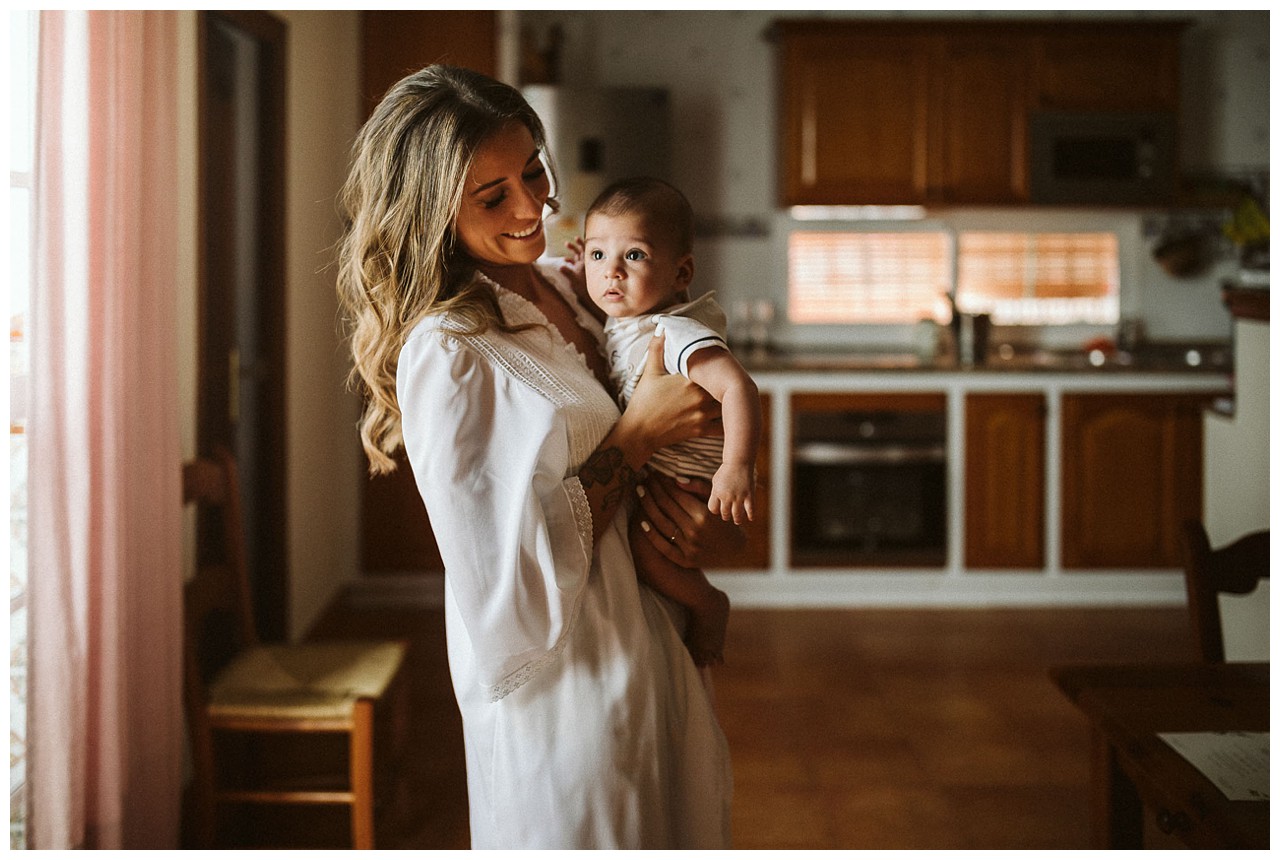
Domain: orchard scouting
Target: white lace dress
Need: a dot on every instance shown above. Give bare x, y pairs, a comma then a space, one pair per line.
586, 724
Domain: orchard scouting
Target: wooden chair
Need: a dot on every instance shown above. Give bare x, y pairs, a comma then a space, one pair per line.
1232, 569
237, 687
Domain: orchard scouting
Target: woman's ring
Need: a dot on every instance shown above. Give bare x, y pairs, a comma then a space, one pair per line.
672, 538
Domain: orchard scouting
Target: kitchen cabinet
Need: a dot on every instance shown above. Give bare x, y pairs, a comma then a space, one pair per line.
978, 142
394, 43
1004, 480
894, 112
1131, 473
1108, 67
1025, 468
855, 116
755, 554
893, 116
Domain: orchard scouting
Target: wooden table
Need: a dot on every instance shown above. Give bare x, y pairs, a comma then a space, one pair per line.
1135, 774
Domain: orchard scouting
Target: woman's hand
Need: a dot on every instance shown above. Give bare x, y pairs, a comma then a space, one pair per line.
680, 525
666, 408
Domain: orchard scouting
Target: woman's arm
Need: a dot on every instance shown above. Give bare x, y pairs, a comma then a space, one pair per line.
664, 409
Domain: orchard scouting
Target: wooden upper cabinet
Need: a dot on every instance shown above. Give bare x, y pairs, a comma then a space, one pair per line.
1131, 473
855, 117
900, 112
396, 43
1108, 68
979, 142
1004, 481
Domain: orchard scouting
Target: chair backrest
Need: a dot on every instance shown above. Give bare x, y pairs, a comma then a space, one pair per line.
217, 609
1234, 569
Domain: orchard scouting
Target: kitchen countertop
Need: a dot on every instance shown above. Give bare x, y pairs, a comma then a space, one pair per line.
1211, 358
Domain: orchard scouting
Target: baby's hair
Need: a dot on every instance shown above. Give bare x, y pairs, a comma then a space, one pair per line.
660, 202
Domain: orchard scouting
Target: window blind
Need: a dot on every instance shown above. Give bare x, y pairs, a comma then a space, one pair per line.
868, 277
900, 277
1039, 278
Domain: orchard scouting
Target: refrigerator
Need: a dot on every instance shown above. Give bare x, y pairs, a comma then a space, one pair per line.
598, 135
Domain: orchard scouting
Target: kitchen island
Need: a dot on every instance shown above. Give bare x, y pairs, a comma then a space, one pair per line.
1037, 509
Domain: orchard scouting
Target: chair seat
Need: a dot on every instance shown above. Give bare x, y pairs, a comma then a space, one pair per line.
309, 680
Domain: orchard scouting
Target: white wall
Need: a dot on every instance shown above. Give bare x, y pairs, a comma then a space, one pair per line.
1237, 448
720, 71
323, 465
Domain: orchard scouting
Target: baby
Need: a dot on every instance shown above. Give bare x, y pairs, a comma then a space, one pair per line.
638, 263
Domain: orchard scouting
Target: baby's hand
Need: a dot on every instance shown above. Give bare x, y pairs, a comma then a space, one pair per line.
575, 248
733, 493
574, 266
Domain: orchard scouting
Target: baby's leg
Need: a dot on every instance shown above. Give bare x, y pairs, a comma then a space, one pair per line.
708, 606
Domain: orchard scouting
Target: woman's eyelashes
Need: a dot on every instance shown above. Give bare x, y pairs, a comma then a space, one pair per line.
538, 174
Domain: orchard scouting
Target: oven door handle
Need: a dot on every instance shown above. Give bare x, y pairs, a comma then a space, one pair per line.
837, 454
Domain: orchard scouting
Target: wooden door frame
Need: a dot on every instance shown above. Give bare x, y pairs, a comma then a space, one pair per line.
268, 483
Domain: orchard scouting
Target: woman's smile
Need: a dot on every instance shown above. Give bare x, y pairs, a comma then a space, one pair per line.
531, 233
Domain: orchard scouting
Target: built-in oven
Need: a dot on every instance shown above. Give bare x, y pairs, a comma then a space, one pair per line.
869, 489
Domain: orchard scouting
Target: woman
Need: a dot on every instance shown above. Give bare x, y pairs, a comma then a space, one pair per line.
585, 722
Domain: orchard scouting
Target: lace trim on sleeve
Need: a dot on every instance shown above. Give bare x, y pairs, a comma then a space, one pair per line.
521, 676
582, 515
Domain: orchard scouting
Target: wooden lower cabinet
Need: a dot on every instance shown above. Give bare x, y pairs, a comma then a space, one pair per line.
1004, 480
1131, 473
755, 554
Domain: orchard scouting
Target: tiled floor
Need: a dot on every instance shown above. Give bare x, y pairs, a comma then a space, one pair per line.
849, 729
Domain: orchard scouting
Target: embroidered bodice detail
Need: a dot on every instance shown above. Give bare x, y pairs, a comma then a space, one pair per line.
542, 359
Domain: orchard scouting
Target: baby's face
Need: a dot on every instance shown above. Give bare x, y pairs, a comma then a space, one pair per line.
630, 267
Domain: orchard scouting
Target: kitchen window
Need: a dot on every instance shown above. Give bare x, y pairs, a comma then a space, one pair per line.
895, 277
868, 277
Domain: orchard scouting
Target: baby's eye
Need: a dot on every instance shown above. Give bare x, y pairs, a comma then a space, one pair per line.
635, 254
596, 254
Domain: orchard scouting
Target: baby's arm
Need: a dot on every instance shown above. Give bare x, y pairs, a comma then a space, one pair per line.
733, 487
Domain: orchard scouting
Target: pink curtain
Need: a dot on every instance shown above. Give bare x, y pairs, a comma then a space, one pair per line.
105, 518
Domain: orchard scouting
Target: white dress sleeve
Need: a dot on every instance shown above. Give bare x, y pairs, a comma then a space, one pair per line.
491, 461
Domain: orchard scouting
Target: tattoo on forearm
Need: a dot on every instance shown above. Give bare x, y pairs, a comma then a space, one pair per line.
605, 467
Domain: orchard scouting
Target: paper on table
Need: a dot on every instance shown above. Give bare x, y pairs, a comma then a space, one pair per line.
1238, 763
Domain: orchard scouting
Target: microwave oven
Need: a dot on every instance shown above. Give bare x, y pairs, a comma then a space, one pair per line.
1102, 158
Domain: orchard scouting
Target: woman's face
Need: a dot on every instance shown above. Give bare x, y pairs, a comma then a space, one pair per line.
500, 219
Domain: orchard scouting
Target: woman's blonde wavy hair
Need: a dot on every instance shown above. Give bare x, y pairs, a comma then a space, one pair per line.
399, 258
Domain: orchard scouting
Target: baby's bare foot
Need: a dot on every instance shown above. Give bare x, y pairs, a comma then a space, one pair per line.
708, 624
